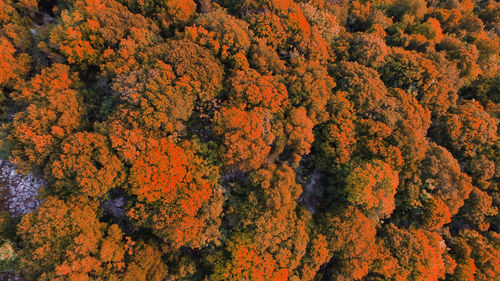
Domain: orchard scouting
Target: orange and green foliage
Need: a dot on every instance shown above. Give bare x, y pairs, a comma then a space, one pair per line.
468, 130
177, 195
165, 12
12, 66
351, 238
372, 187
435, 213
99, 32
146, 264
419, 253
54, 111
87, 163
250, 139
270, 239
64, 240
160, 98
442, 177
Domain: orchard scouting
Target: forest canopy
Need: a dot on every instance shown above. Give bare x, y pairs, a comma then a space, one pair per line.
253, 140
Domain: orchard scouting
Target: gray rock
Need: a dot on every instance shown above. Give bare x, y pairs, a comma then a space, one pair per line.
21, 197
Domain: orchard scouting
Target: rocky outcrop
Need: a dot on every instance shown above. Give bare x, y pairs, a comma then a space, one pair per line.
19, 192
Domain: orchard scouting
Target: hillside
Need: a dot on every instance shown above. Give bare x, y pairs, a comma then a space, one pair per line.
250, 140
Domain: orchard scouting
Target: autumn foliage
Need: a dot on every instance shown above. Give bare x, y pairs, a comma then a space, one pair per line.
252, 140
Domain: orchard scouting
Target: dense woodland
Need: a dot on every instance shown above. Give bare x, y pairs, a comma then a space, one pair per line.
253, 139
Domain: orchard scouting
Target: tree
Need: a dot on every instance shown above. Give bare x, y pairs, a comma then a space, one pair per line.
195, 63
162, 99
359, 15
481, 169
251, 264
225, 35
91, 32
431, 29
464, 54
66, 240
317, 255
7, 226
408, 7
250, 118
435, 213
465, 269
269, 27
374, 142
418, 252
146, 264
336, 139
300, 133
265, 59
246, 144
410, 121
351, 240
254, 90
250, 139
364, 88
86, 163
270, 238
372, 187
174, 186
13, 65
368, 49
328, 25
177, 196
477, 208
14, 21
483, 90
442, 177
310, 86
166, 12
476, 256
467, 129
408, 71
54, 111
